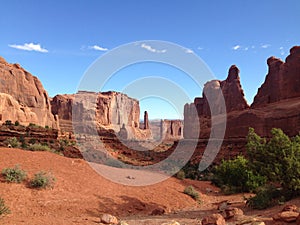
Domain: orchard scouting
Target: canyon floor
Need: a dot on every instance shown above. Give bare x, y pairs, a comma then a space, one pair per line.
80, 195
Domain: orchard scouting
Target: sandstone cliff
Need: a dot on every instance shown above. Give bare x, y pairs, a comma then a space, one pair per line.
22, 97
110, 110
277, 103
282, 81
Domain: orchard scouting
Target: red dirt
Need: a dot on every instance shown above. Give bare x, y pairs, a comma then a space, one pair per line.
80, 195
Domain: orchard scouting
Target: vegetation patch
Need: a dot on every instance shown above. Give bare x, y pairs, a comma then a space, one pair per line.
190, 190
42, 180
14, 175
3, 208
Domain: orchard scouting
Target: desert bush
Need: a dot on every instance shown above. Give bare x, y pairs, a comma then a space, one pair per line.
42, 180
13, 142
8, 123
265, 197
3, 208
39, 147
235, 176
277, 159
17, 123
190, 190
180, 175
14, 175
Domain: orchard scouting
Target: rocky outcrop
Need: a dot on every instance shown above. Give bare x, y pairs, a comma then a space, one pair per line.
276, 105
282, 81
109, 110
171, 129
22, 97
219, 97
146, 120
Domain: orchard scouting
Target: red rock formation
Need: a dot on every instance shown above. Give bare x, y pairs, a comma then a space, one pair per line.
276, 105
171, 129
110, 110
22, 97
146, 121
282, 81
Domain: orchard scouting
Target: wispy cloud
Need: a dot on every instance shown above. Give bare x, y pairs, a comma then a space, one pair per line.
236, 47
200, 48
265, 45
151, 49
282, 51
29, 47
189, 51
98, 48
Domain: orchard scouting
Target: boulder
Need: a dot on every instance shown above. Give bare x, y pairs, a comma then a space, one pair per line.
213, 219
108, 219
233, 212
286, 216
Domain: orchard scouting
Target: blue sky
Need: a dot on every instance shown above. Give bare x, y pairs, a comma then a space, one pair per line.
57, 41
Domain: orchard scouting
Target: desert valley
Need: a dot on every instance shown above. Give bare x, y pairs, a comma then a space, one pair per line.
42, 133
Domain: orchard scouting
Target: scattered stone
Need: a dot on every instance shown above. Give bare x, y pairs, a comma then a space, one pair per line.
122, 223
292, 208
298, 220
108, 219
223, 205
158, 211
171, 223
214, 219
286, 216
232, 212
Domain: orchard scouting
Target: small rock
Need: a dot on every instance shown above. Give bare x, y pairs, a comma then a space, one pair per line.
108, 219
298, 220
171, 223
158, 211
122, 223
231, 212
292, 208
258, 223
214, 219
287, 216
223, 205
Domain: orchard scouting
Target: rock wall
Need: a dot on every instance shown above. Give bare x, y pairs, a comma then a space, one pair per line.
171, 129
277, 103
282, 81
23, 98
110, 110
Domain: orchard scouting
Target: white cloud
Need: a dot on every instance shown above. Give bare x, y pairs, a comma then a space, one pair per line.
29, 47
200, 48
189, 51
151, 49
98, 48
282, 51
246, 49
265, 46
236, 47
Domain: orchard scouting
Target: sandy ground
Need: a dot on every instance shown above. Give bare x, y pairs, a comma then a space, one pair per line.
80, 195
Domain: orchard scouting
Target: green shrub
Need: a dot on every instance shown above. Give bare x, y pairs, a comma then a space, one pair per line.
8, 123
14, 175
278, 159
17, 123
13, 142
3, 208
39, 147
190, 190
265, 197
235, 176
180, 175
42, 180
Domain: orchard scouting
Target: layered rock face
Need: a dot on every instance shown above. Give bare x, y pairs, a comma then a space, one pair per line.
110, 110
282, 81
219, 97
23, 98
276, 105
171, 129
